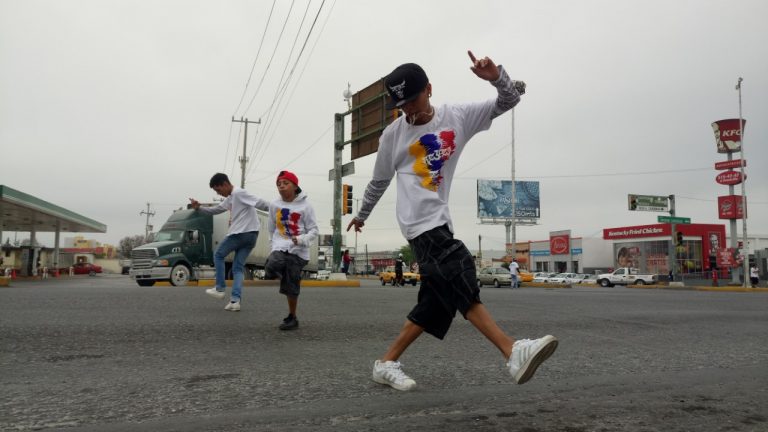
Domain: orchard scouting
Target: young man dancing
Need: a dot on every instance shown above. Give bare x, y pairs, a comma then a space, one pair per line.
422, 148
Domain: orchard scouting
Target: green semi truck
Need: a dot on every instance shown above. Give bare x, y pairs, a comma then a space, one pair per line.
182, 251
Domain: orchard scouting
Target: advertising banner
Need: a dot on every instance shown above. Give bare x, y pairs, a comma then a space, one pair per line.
730, 207
728, 135
734, 163
725, 258
729, 178
494, 199
560, 242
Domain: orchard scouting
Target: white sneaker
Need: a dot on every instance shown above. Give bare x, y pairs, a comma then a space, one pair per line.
389, 373
527, 355
214, 293
233, 306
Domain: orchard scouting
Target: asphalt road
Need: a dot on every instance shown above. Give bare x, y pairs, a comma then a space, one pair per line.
101, 354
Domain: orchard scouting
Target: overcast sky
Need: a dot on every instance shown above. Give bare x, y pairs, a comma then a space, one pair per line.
107, 105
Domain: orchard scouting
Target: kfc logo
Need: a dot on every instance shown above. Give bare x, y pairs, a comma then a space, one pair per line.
728, 134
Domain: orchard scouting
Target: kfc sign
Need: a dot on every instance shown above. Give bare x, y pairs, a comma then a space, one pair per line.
735, 163
729, 178
657, 230
725, 258
559, 242
730, 207
728, 134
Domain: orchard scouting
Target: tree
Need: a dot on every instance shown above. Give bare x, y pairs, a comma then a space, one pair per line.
407, 254
127, 244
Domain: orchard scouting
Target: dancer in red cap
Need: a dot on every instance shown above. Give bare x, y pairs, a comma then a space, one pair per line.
293, 226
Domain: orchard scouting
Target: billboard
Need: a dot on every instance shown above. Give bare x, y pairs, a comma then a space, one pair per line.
494, 199
728, 134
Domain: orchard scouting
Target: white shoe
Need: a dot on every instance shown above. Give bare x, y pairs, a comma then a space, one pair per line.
233, 306
213, 292
528, 355
389, 373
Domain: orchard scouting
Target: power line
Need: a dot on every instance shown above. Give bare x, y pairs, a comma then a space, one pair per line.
269, 127
274, 51
258, 52
282, 83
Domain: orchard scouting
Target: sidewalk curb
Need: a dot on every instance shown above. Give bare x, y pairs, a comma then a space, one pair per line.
304, 283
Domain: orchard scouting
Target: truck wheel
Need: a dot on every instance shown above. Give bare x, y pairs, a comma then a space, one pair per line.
145, 282
413, 282
180, 275
604, 283
640, 282
383, 282
496, 283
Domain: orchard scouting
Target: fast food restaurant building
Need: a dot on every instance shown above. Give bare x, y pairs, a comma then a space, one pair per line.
646, 247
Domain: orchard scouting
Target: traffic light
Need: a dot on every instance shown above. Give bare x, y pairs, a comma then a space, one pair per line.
346, 199
679, 238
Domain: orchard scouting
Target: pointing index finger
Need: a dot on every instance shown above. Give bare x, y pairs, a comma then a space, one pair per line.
471, 56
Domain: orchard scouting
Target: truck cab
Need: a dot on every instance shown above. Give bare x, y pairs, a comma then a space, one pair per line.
181, 248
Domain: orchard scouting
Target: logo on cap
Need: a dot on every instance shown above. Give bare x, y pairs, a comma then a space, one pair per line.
398, 89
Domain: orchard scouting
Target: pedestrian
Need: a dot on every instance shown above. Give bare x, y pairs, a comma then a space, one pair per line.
345, 260
514, 272
422, 148
399, 270
293, 226
754, 275
243, 231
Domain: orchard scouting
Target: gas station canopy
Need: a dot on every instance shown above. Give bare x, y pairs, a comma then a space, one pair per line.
23, 212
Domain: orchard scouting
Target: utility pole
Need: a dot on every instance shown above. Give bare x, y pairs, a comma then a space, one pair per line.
147, 227
244, 159
745, 243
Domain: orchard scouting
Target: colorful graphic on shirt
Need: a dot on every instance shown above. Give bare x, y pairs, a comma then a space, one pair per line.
432, 152
287, 222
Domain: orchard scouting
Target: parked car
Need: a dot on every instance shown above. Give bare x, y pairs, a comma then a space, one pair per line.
561, 278
496, 276
525, 276
86, 268
589, 279
542, 277
577, 278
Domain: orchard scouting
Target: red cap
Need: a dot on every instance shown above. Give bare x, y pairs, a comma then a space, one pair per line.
287, 175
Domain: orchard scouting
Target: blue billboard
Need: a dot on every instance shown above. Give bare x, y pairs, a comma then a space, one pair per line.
494, 199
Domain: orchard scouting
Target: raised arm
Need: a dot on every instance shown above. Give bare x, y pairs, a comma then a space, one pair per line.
509, 90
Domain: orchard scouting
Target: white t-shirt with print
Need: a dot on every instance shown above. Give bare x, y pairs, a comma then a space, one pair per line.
424, 158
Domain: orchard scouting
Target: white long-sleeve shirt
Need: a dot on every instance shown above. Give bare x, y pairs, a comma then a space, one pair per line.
243, 206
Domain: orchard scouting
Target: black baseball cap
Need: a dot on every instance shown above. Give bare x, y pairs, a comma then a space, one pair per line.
404, 84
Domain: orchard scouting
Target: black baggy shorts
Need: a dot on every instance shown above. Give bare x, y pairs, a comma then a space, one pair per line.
448, 280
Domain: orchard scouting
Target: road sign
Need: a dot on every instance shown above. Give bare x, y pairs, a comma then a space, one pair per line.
648, 202
346, 169
676, 220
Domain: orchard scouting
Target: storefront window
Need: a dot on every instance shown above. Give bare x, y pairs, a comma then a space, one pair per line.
652, 256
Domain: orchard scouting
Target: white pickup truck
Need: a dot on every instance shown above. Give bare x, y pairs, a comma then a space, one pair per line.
625, 276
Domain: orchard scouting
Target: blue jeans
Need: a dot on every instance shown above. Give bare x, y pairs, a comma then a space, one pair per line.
241, 244
515, 283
